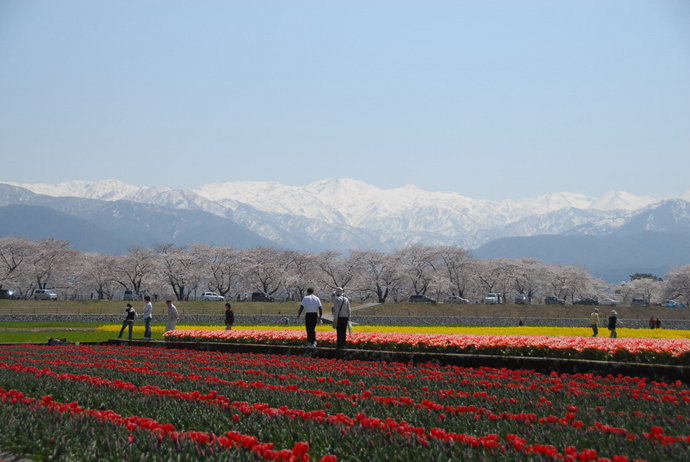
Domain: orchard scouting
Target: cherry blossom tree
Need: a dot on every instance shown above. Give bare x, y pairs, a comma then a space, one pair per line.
458, 269
13, 252
336, 271
97, 272
137, 269
529, 276
419, 265
264, 269
678, 284
51, 262
378, 272
181, 269
221, 267
492, 274
300, 273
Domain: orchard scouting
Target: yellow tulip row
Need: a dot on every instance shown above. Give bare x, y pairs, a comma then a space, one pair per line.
523, 330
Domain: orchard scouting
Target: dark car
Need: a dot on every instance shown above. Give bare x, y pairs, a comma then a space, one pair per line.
421, 299
261, 297
522, 299
586, 301
8, 295
554, 301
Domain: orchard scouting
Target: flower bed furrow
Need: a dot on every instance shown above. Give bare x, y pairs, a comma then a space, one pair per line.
639, 391
367, 411
160, 431
643, 350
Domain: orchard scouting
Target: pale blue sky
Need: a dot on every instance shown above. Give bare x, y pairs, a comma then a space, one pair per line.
492, 99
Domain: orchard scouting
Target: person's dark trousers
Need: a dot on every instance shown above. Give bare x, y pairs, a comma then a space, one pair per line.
125, 324
310, 320
147, 328
342, 332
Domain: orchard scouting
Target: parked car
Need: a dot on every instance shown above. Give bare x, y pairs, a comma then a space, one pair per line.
421, 299
672, 304
522, 299
6, 294
130, 295
492, 299
261, 297
212, 296
44, 294
639, 301
554, 301
609, 302
586, 301
455, 299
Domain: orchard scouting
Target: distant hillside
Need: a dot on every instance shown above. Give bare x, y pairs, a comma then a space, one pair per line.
112, 227
613, 258
35, 223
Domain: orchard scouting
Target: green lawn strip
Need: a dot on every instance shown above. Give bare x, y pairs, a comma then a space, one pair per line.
30, 325
42, 337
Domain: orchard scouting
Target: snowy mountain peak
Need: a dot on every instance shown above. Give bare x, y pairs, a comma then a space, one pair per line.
110, 190
621, 200
339, 185
557, 201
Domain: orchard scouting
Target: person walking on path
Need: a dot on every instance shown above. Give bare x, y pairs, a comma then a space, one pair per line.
173, 316
148, 317
229, 317
594, 322
311, 304
613, 323
130, 316
341, 316
657, 323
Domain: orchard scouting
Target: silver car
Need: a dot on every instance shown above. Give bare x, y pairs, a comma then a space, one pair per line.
44, 294
455, 299
212, 296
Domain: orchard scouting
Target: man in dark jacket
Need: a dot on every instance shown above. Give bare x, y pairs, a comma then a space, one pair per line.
229, 317
130, 316
613, 323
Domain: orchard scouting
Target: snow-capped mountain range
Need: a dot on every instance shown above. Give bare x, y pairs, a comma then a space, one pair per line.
341, 213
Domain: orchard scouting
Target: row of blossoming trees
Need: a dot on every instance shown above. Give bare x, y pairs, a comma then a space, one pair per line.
184, 272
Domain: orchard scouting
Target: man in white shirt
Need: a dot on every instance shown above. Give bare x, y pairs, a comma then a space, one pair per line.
148, 317
311, 304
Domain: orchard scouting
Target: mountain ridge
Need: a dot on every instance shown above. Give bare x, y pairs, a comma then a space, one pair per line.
342, 214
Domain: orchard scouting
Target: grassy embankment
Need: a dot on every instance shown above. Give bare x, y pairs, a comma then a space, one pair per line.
388, 309
11, 332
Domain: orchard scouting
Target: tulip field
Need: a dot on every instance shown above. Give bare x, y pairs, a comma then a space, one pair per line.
672, 351
94, 403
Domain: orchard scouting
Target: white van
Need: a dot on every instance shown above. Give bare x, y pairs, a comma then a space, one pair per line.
44, 294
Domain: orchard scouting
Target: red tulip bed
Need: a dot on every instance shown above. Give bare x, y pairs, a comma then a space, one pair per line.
94, 403
640, 350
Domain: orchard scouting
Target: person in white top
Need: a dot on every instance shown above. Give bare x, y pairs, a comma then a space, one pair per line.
148, 317
341, 316
173, 316
311, 304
